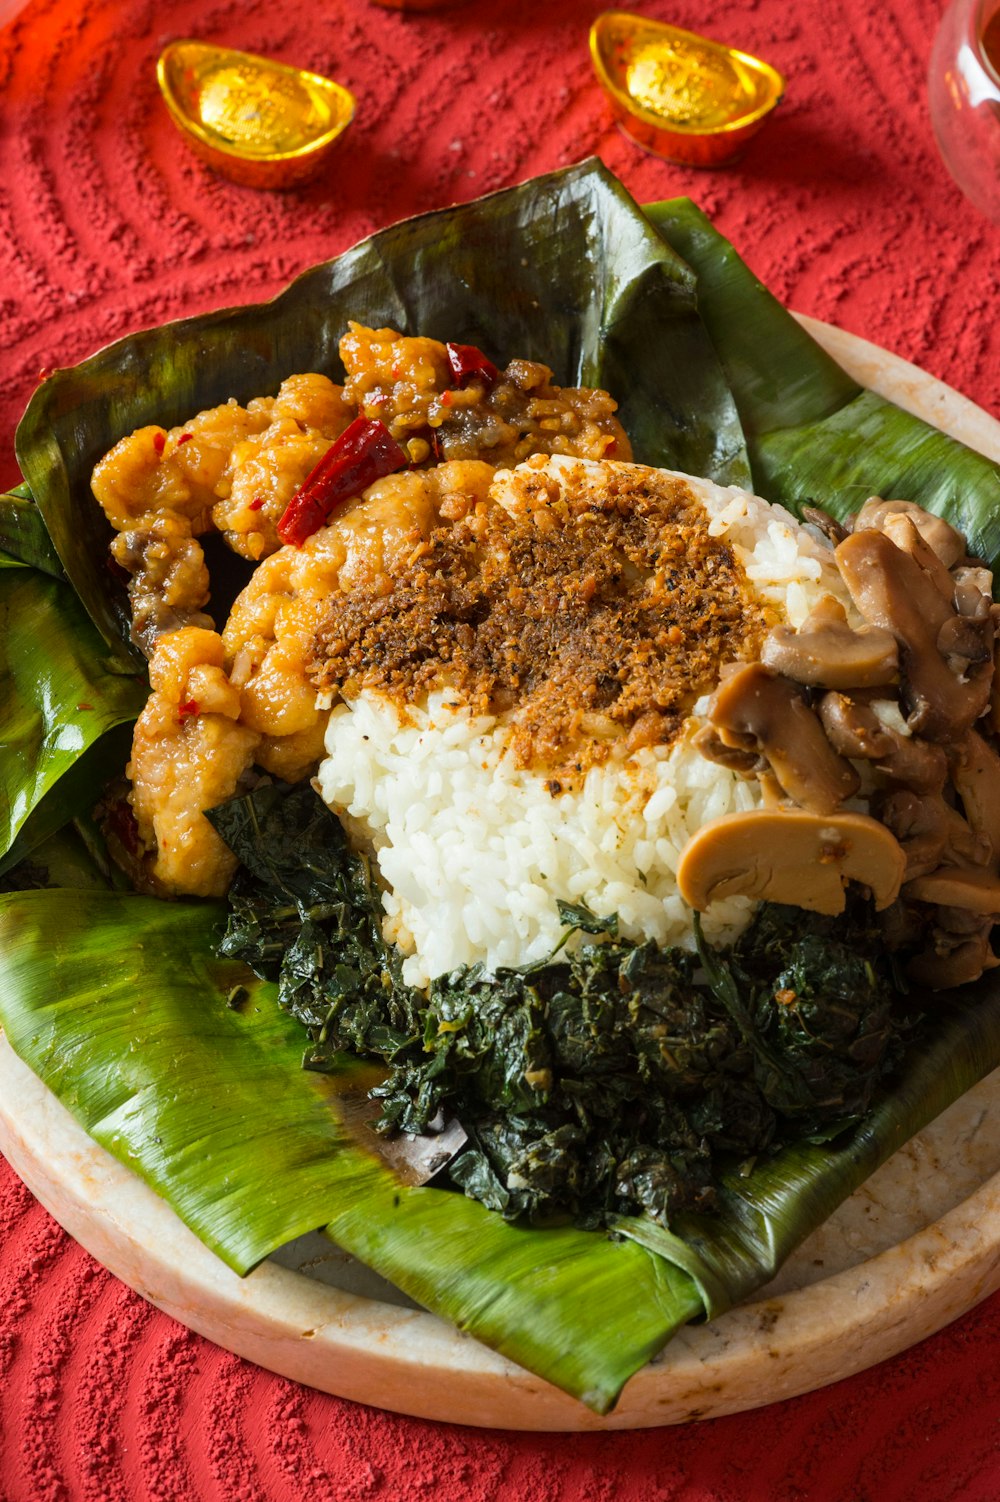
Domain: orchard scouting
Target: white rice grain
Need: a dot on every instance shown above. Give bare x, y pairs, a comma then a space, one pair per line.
474, 852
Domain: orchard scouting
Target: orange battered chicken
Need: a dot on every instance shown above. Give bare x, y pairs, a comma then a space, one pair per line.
221, 702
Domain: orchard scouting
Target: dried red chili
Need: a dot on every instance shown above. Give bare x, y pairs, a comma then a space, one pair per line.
470, 364
364, 453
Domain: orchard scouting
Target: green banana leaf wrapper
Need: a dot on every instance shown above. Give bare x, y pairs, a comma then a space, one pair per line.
812, 433
65, 699
208, 1103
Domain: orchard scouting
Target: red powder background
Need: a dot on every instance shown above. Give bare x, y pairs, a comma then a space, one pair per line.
108, 224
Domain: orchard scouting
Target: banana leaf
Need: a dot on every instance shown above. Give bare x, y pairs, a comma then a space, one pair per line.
812, 433
208, 1104
563, 269
59, 698
69, 858
24, 538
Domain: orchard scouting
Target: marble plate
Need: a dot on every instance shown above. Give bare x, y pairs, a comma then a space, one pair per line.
915, 1247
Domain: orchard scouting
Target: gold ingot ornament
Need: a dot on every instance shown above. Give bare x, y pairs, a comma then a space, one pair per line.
260, 123
680, 95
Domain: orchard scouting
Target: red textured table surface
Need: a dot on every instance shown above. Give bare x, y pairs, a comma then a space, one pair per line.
107, 224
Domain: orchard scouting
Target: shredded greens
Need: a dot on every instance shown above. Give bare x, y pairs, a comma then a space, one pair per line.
611, 1079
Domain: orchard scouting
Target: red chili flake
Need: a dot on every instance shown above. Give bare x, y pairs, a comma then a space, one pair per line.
446, 398
184, 438
186, 710
159, 442
364, 453
45, 372
121, 822
85, 706
470, 364
256, 503
431, 438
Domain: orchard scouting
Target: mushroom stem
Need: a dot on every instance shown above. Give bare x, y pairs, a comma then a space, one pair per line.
973, 891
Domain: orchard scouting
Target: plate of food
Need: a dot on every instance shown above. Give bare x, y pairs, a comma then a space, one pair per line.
504, 823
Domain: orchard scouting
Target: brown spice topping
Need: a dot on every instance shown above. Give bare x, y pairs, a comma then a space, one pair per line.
591, 618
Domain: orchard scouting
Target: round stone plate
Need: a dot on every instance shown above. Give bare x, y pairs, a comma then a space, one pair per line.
915, 1247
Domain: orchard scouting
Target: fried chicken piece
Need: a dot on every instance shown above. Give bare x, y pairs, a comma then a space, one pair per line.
231, 469
189, 753
407, 383
269, 638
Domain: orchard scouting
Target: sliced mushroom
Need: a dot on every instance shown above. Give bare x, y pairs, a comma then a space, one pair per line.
752, 702
950, 961
975, 771
832, 529
961, 922
975, 891
735, 758
965, 641
892, 591
854, 729
826, 652
900, 530
790, 856
949, 545
931, 833
973, 586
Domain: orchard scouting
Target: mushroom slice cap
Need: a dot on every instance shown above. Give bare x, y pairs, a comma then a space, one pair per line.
790, 856
949, 544
828, 653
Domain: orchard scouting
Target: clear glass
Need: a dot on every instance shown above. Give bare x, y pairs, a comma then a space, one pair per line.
964, 88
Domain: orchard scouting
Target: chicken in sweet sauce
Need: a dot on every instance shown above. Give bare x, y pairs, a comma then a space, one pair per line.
224, 700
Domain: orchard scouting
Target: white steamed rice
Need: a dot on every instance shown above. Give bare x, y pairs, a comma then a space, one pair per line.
474, 852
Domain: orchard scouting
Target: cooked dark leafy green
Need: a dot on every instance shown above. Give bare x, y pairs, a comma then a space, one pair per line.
810, 997
604, 1081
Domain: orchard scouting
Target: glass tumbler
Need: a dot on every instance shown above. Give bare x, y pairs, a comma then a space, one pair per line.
964, 90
